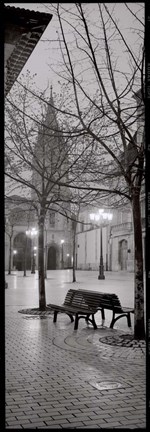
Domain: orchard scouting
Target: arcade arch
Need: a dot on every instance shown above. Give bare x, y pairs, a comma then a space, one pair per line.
53, 257
22, 245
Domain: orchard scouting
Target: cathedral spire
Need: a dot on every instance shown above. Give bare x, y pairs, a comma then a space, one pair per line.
50, 118
51, 92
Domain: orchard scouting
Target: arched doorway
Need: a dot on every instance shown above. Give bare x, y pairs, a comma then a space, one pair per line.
51, 264
123, 254
22, 245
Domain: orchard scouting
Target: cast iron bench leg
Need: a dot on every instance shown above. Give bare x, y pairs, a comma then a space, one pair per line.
121, 316
55, 316
113, 320
93, 322
103, 316
71, 317
76, 322
129, 320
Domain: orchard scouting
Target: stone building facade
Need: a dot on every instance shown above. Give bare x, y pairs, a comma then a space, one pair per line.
118, 235
58, 255
117, 240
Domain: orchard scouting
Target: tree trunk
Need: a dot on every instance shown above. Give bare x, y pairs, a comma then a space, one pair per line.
9, 269
74, 251
46, 261
139, 328
42, 296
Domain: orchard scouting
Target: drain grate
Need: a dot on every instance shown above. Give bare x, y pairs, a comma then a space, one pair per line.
105, 385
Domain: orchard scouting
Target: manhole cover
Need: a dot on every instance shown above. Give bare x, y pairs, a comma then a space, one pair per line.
105, 385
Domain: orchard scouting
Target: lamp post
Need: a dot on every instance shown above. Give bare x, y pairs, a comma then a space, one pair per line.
33, 232
101, 265
110, 252
62, 254
14, 253
68, 255
33, 261
101, 217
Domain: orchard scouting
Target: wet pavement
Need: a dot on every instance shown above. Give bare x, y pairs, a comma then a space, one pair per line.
60, 378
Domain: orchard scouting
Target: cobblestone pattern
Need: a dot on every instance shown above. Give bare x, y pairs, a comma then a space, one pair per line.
50, 370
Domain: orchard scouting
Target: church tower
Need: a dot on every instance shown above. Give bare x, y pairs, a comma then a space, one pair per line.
51, 168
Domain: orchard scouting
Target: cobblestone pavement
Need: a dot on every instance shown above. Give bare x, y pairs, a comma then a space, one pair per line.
60, 378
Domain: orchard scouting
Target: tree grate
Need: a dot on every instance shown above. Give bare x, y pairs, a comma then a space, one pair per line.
124, 340
36, 311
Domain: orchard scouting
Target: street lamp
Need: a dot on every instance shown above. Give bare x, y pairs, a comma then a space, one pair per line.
101, 217
33, 232
62, 254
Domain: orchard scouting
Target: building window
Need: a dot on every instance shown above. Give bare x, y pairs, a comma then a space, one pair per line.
52, 219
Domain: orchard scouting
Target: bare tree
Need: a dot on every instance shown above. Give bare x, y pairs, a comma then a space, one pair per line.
108, 103
38, 160
101, 120
11, 220
9, 227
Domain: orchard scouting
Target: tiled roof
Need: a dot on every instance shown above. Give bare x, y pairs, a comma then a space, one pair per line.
29, 27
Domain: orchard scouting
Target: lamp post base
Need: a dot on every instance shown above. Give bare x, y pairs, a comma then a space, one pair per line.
101, 272
33, 268
33, 265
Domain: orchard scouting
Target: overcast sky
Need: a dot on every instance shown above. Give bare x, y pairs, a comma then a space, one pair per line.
45, 54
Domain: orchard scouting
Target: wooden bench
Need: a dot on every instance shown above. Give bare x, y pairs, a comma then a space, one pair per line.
75, 304
104, 301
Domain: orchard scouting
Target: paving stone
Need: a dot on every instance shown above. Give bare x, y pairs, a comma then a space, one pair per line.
100, 416
10, 418
50, 422
93, 422
44, 414
52, 427
14, 427
14, 422
49, 369
130, 421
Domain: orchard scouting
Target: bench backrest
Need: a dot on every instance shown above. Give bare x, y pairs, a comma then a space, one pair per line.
68, 298
98, 299
77, 299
